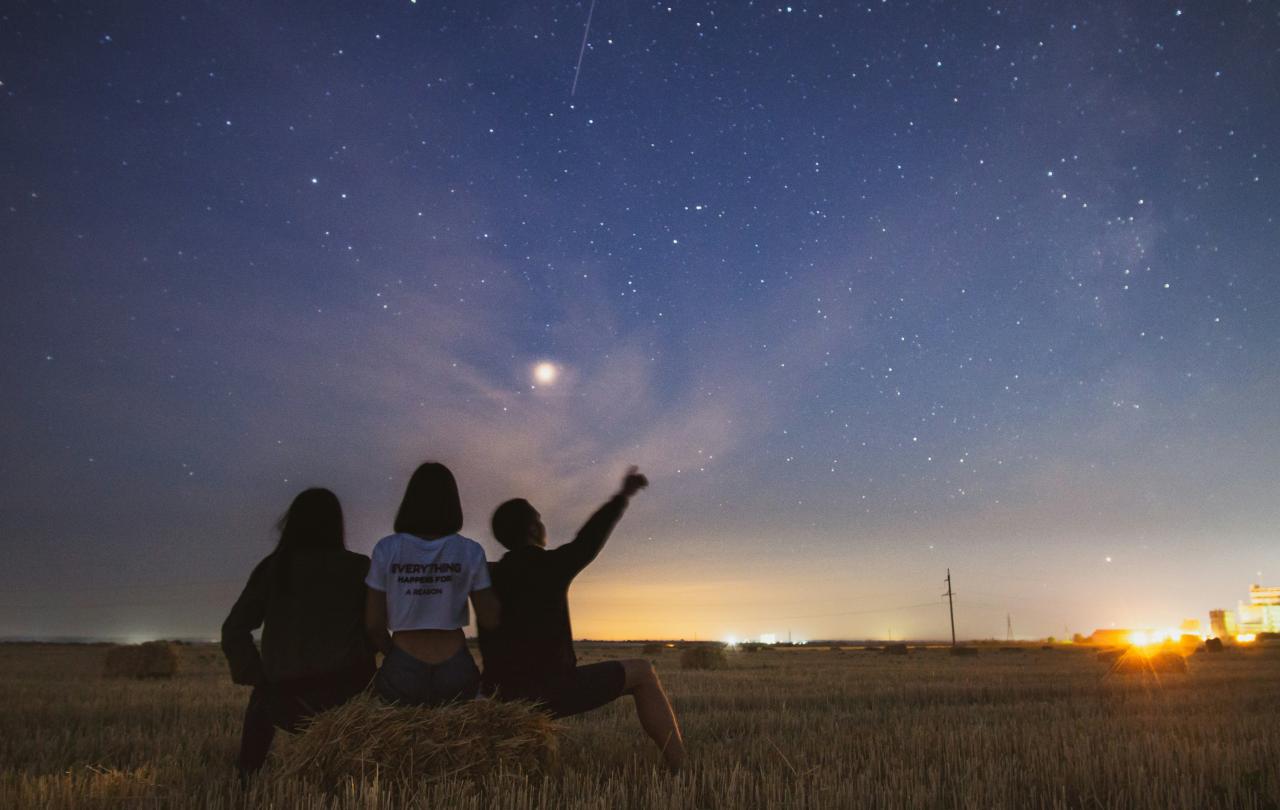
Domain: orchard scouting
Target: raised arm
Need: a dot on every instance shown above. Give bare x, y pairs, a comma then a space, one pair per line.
246, 616
575, 555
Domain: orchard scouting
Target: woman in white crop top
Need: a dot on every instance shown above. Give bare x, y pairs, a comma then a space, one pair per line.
420, 580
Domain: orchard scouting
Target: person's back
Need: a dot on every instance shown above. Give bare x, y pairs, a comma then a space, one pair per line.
419, 583
530, 656
308, 598
314, 620
534, 643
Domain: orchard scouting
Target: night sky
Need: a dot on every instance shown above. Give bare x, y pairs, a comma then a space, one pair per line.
868, 290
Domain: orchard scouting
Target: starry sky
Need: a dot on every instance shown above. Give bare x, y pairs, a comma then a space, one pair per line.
869, 290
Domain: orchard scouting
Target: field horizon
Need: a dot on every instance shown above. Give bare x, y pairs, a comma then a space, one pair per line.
798, 727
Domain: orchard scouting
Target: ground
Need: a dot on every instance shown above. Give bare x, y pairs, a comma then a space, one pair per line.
798, 727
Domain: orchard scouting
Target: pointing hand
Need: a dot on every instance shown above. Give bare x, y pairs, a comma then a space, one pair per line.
634, 482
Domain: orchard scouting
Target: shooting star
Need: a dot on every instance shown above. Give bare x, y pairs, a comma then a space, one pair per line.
582, 50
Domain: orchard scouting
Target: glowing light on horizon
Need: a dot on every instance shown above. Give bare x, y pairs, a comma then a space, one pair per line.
1246, 638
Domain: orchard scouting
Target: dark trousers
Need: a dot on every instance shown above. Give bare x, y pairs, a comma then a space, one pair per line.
405, 680
286, 704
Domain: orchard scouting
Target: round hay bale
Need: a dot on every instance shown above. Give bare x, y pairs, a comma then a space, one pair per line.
154, 659
705, 656
1213, 645
652, 648
465, 740
895, 649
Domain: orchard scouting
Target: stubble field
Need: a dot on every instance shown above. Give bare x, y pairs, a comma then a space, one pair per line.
780, 728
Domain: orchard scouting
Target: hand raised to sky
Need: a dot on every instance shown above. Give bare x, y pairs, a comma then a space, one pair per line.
633, 482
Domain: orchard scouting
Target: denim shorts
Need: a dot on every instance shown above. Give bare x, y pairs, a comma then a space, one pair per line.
406, 680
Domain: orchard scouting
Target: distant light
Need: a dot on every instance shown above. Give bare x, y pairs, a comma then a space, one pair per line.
1246, 638
731, 641
545, 373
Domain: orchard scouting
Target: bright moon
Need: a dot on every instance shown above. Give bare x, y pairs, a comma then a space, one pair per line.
545, 373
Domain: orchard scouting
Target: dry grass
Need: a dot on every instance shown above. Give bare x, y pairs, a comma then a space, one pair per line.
154, 659
796, 728
368, 739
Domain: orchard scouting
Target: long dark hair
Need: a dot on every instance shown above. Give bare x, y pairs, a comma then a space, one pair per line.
431, 506
313, 521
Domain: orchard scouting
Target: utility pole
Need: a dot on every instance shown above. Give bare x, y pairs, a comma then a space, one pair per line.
1008, 620
952, 607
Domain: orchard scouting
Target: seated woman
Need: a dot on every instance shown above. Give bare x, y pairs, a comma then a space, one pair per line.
308, 597
419, 583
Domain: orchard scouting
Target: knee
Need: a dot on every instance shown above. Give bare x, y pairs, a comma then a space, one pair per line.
639, 672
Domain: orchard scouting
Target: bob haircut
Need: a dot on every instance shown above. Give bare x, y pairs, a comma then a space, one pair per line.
431, 506
314, 521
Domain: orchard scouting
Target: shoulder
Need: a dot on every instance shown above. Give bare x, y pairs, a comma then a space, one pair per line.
386, 544
355, 559
264, 567
471, 546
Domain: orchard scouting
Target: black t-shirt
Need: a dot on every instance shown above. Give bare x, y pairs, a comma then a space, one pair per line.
532, 647
311, 614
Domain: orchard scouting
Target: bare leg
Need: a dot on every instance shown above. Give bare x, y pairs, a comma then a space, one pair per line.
654, 710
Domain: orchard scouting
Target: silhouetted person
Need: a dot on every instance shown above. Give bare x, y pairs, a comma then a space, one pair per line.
530, 655
419, 583
308, 597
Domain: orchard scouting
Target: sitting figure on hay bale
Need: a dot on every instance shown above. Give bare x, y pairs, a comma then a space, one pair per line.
530, 655
308, 598
420, 581
415, 607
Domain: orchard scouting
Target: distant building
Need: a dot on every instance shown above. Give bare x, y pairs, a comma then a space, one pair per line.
1110, 637
1222, 623
1262, 614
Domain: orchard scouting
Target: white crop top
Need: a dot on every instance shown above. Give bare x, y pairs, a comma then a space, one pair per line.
427, 582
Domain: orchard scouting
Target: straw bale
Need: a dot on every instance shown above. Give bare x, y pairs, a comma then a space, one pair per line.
1213, 645
466, 740
705, 656
154, 659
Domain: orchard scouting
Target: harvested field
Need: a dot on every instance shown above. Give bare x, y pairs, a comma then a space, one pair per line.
154, 659
795, 728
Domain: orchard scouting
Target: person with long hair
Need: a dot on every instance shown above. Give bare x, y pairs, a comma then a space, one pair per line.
308, 598
419, 583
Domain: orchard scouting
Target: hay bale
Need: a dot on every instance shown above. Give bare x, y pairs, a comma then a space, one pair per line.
705, 656
154, 659
1213, 645
467, 740
895, 649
